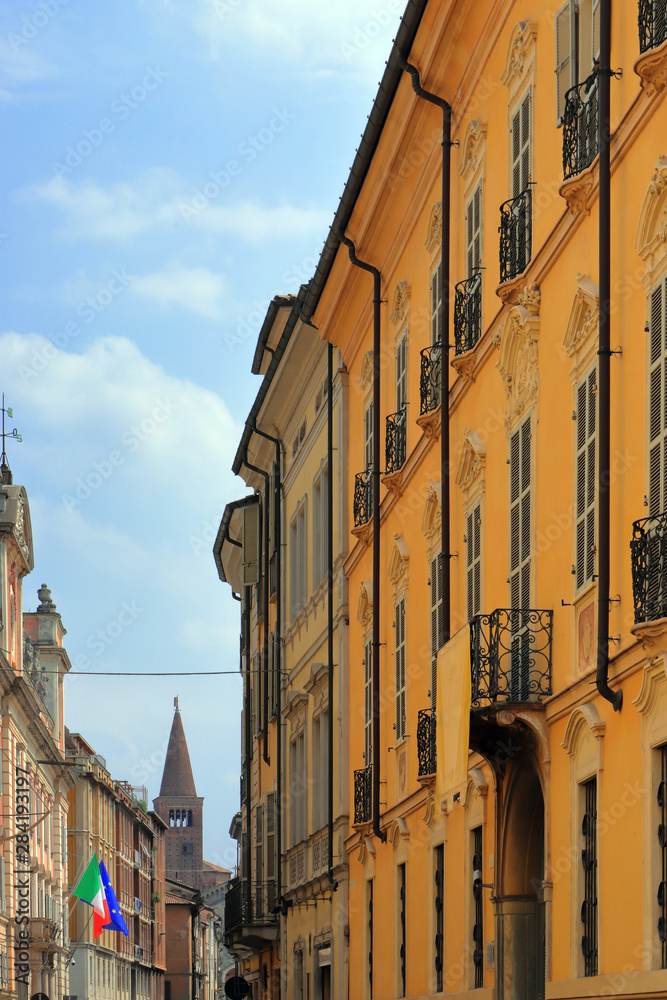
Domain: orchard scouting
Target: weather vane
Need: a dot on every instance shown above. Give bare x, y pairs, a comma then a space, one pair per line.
7, 434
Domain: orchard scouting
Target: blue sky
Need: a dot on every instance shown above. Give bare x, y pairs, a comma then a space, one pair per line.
169, 166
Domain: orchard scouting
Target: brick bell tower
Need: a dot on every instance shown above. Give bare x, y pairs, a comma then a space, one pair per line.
181, 809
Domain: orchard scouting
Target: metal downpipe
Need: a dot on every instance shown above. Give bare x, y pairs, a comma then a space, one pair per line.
265, 630
380, 834
330, 611
275, 500
444, 333
604, 359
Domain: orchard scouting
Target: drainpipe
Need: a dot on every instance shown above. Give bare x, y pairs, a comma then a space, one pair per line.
330, 611
275, 500
604, 359
444, 331
380, 834
265, 654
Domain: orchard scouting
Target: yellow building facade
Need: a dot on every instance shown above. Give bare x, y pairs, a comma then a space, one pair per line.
286, 911
508, 807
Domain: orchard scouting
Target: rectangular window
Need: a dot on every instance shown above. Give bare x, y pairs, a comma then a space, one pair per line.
521, 148
657, 403
317, 764
586, 479
520, 485
259, 860
436, 302
401, 372
577, 46
399, 640
402, 909
478, 907
368, 435
320, 526
474, 560
323, 774
370, 938
368, 702
271, 858
437, 621
662, 848
589, 908
439, 917
298, 560
474, 232
298, 975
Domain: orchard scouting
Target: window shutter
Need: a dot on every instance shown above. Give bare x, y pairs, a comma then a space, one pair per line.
586, 480
368, 435
401, 373
436, 298
437, 622
271, 858
520, 517
259, 861
595, 33
516, 154
564, 39
368, 702
272, 512
272, 675
474, 560
525, 143
251, 544
399, 640
657, 415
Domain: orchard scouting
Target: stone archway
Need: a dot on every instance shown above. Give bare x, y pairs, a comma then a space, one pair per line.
520, 907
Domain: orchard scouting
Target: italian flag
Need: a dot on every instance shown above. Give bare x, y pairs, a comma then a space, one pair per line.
91, 891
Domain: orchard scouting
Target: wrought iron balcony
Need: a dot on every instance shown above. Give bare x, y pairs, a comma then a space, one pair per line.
426, 730
652, 24
395, 441
648, 551
467, 313
515, 235
580, 126
429, 379
249, 904
363, 795
511, 656
363, 498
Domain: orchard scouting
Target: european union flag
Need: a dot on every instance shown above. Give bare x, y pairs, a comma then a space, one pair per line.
116, 919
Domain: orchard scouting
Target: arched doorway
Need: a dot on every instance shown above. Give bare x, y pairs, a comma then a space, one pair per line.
520, 907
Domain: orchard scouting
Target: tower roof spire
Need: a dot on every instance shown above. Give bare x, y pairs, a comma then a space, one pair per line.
177, 778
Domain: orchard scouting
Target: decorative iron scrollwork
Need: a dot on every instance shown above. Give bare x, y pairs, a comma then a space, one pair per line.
426, 731
511, 656
429, 379
515, 235
648, 554
580, 126
363, 498
652, 24
363, 800
396, 441
467, 313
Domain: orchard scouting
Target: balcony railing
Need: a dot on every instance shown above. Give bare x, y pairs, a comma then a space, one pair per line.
511, 656
395, 441
363, 795
515, 236
250, 903
426, 730
648, 551
429, 379
467, 313
363, 498
580, 126
652, 24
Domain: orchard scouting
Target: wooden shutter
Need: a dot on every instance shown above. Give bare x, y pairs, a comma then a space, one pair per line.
368, 702
565, 36
595, 33
521, 147
259, 861
586, 480
436, 299
251, 544
657, 409
474, 560
520, 517
402, 373
272, 675
474, 231
437, 621
368, 435
271, 856
399, 644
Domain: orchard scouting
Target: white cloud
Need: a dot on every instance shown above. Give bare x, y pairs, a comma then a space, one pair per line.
159, 200
197, 289
348, 34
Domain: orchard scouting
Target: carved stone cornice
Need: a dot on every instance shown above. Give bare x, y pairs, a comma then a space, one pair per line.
520, 53
651, 68
472, 462
584, 315
466, 364
398, 561
363, 532
432, 517
652, 225
430, 423
472, 147
652, 636
394, 482
518, 362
